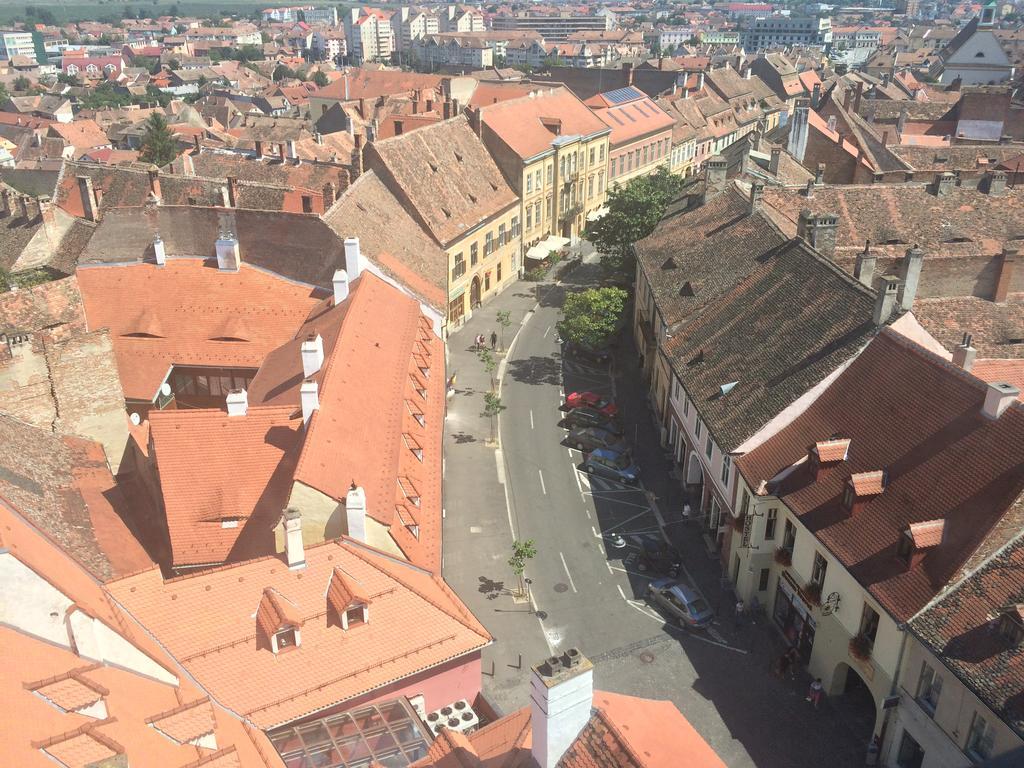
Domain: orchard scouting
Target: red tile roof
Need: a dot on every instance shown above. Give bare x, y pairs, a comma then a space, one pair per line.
219, 643
944, 460
927, 534
868, 483
344, 591
218, 470
276, 612
178, 314
520, 123
1008, 371
630, 121
832, 450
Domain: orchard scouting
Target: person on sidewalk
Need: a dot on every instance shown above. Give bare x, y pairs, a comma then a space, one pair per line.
479, 341
494, 341
738, 615
815, 692
794, 662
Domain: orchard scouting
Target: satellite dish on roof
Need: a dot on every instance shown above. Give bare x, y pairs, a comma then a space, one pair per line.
135, 419
165, 389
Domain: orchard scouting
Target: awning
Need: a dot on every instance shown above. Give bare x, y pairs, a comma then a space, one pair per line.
598, 213
543, 249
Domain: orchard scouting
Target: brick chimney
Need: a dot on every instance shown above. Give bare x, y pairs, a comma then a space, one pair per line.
23, 206
715, 169
819, 175
856, 100
294, 552
357, 156
944, 184
90, 205
627, 70
561, 697
232, 192
5, 197
965, 353
910, 275
886, 300
259, 148
864, 269
154, 185
340, 282
996, 183
309, 395
756, 193
1004, 275
312, 352
818, 231
237, 402
998, 397
815, 95
355, 512
773, 164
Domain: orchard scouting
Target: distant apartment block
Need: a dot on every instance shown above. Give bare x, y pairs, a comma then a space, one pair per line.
13, 43
553, 27
369, 35
779, 30
669, 39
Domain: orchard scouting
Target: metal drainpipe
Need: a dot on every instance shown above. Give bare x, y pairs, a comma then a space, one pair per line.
893, 688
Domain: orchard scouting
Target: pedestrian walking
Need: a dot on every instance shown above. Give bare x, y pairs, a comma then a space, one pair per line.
815, 692
738, 615
783, 664
494, 340
479, 341
794, 662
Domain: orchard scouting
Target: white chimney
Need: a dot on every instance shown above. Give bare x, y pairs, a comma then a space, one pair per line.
312, 355
965, 353
292, 153
998, 398
158, 251
309, 394
353, 257
238, 402
561, 696
228, 256
293, 549
355, 511
340, 286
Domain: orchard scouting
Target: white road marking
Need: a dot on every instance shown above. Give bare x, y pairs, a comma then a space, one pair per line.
531, 418
709, 641
588, 513
546, 332
541, 476
475, 529
619, 587
584, 478
566, 567
627, 520
626, 570
576, 474
609, 567
717, 635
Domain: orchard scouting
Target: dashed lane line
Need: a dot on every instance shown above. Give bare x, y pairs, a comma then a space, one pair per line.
544, 490
566, 567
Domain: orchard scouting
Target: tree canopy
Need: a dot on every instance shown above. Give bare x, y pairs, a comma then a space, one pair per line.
634, 210
592, 316
320, 79
158, 146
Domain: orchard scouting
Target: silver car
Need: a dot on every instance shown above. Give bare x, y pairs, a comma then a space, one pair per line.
680, 604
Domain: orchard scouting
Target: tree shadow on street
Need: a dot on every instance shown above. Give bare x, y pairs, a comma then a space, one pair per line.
491, 588
536, 370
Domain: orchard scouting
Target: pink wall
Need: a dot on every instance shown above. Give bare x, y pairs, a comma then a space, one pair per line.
454, 680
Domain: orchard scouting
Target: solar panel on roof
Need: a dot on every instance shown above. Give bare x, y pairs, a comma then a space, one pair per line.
622, 95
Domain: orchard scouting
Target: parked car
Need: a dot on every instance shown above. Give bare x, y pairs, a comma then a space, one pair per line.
588, 417
591, 438
592, 400
616, 465
655, 554
600, 355
678, 603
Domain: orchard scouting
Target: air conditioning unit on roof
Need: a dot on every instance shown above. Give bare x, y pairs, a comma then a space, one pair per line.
458, 716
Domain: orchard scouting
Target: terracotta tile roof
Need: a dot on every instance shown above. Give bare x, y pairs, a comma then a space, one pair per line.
390, 236
186, 723
63, 485
927, 534
1008, 371
868, 483
448, 176
276, 612
519, 123
637, 118
369, 84
71, 691
947, 461
174, 315
219, 644
343, 592
225, 479
81, 749
50, 304
962, 630
997, 328
832, 450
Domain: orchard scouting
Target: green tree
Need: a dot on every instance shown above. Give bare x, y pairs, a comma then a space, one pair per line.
492, 407
504, 321
3, 92
158, 146
489, 363
522, 551
68, 79
634, 210
281, 72
320, 79
22, 83
592, 316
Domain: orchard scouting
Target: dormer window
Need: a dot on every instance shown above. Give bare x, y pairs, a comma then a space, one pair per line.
848, 497
278, 621
285, 639
918, 539
861, 488
1011, 623
347, 600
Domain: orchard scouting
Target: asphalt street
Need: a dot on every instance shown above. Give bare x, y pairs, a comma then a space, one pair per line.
587, 589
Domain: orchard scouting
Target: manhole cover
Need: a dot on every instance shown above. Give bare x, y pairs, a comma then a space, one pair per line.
560, 587
541, 615
646, 657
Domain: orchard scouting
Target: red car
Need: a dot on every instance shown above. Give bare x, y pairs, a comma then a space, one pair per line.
592, 400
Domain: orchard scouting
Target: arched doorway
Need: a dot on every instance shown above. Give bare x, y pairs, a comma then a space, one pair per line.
474, 293
694, 473
854, 701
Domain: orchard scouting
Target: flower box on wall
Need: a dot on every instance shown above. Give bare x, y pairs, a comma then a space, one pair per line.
812, 591
783, 556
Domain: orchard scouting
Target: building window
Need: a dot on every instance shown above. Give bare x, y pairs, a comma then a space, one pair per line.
979, 739
551, 173
593, 151
499, 271
697, 429
770, 522
501, 235
762, 582
709, 447
818, 571
600, 182
868, 624
929, 686
353, 616
789, 536
307, 204
488, 244
460, 267
686, 405
473, 253
590, 187
285, 639
726, 464
516, 232
745, 503
529, 183
538, 178
529, 218
549, 207
601, 153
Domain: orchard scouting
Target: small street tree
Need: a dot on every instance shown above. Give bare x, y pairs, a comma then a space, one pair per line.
504, 321
522, 551
158, 145
320, 79
634, 210
492, 407
22, 83
592, 316
490, 364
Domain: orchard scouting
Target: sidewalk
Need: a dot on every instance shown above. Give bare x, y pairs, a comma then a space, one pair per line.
476, 521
